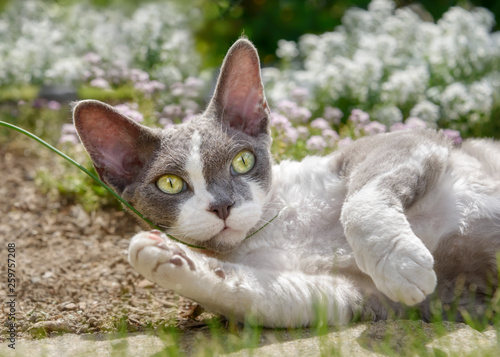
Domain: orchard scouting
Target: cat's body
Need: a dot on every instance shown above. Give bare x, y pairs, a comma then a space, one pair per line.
379, 218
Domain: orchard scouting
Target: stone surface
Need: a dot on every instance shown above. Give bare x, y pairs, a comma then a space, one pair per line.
368, 339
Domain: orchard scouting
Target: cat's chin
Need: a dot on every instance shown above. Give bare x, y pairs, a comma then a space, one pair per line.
225, 241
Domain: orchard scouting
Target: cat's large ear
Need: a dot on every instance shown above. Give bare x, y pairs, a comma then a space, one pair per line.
118, 146
239, 99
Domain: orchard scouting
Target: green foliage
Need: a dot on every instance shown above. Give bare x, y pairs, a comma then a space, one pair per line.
122, 93
25, 92
74, 186
267, 21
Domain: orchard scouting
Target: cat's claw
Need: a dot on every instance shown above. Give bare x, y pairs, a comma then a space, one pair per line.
159, 259
406, 274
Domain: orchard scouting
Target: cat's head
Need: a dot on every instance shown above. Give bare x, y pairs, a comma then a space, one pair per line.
207, 179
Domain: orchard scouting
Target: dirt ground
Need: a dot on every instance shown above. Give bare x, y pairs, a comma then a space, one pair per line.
72, 273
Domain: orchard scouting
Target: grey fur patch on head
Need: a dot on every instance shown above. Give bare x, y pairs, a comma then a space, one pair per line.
131, 157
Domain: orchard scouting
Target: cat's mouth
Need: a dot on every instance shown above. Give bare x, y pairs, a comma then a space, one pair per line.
225, 241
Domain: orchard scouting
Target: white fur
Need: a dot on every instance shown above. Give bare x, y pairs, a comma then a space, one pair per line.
195, 219
386, 248
269, 275
313, 253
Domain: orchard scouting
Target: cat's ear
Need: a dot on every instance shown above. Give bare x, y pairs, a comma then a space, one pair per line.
239, 99
118, 146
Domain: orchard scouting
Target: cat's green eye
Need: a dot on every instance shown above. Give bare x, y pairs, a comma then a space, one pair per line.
243, 162
171, 184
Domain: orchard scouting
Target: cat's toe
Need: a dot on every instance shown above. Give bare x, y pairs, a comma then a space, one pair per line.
158, 258
407, 275
140, 241
179, 258
409, 286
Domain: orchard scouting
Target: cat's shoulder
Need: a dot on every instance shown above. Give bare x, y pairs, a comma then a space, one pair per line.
373, 155
399, 140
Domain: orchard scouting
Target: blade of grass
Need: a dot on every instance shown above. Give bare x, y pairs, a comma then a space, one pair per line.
97, 179
106, 187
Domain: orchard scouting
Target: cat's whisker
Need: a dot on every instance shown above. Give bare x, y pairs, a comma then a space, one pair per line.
165, 227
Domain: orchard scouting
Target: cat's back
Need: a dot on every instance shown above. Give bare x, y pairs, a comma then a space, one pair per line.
484, 153
391, 153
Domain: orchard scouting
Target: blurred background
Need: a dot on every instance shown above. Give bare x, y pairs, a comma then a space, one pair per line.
334, 70
267, 21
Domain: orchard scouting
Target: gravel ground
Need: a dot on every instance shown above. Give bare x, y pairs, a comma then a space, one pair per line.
73, 277
72, 273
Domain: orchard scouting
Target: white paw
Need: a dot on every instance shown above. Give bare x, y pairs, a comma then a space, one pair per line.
161, 260
405, 274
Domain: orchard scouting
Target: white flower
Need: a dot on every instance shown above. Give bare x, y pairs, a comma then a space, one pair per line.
382, 8
455, 101
404, 86
287, 49
388, 115
427, 111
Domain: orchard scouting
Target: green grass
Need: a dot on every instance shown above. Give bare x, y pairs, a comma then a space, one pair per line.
26, 92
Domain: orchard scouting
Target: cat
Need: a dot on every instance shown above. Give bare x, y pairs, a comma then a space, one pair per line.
361, 233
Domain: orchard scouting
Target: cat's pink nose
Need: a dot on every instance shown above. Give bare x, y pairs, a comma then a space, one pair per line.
221, 210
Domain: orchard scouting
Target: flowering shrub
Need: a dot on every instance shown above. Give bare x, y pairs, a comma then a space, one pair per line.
394, 66
46, 43
148, 55
382, 70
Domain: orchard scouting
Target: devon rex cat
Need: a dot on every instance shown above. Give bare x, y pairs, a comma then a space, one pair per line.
375, 225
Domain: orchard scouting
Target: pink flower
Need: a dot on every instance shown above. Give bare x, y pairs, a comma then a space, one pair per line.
53, 105
166, 122
293, 112
320, 123
344, 142
333, 115
410, 123
177, 89
299, 94
188, 117
192, 87
398, 126
316, 143
415, 123
453, 135
92, 58
279, 121
172, 111
359, 118
129, 112
331, 136
68, 134
374, 127
138, 75
290, 135
303, 132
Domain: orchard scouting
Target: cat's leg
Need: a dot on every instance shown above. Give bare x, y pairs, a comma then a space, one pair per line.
374, 220
386, 248
273, 298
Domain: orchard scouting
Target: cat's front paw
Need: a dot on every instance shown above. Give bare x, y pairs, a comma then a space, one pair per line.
160, 260
406, 273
